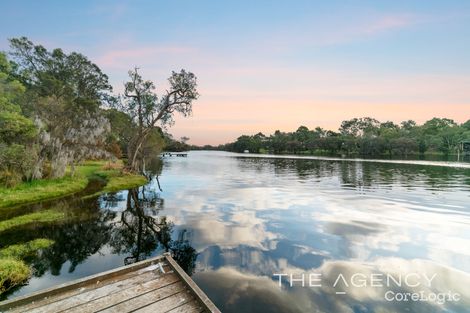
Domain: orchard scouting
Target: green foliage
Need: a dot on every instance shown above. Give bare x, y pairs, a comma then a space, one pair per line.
38, 190
116, 179
15, 127
123, 181
52, 116
24, 250
36, 217
63, 95
362, 136
173, 145
13, 272
17, 132
122, 130
55, 73
466, 125
9, 178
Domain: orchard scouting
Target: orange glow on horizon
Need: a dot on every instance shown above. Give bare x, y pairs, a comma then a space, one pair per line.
209, 126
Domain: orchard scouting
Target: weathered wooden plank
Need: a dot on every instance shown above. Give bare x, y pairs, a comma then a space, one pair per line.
97, 293
190, 307
147, 298
168, 303
124, 295
141, 286
70, 293
200, 295
49, 292
128, 279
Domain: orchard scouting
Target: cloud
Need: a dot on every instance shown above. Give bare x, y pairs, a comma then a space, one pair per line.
366, 28
333, 30
234, 290
388, 23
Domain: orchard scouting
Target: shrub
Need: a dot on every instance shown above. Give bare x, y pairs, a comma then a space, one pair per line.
12, 273
9, 178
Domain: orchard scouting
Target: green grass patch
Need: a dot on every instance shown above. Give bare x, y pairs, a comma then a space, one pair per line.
43, 189
36, 217
24, 250
13, 272
116, 181
47, 189
123, 182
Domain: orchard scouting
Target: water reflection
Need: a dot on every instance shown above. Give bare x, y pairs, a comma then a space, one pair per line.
127, 225
252, 217
235, 220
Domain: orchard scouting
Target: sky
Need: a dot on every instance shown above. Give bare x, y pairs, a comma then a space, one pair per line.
267, 65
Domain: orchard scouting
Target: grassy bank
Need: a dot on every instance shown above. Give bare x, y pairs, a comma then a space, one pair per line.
13, 269
13, 272
23, 250
46, 189
38, 217
117, 180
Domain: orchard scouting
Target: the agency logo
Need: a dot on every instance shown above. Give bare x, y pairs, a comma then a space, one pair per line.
395, 287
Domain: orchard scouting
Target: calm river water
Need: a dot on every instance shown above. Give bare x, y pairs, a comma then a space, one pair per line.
246, 227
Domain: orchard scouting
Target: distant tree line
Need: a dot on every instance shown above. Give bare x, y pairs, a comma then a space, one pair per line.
361, 136
57, 109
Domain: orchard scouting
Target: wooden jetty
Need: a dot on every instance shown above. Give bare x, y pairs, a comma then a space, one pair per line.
178, 154
154, 285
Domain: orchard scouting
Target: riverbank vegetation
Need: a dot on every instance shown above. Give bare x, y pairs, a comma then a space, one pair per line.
363, 137
24, 250
113, 173
36, 217
57, 110
61, 128
13, 258
13, 272
13, 269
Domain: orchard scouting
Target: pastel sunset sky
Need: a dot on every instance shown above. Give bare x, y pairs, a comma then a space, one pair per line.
267, 65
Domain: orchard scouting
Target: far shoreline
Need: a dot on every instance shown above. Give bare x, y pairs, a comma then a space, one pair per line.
453, 164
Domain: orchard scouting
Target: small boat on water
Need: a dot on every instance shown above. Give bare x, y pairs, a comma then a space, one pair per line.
155, 285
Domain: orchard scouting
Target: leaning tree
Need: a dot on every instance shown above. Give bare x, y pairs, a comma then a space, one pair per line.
149, 111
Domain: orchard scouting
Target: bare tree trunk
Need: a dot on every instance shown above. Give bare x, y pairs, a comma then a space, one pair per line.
134, 151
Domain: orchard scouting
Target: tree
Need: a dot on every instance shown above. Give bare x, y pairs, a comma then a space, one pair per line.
364, 126
436, 134
403, 146
64, 92
55, 73
363, 136
435, 125
408, 125
278, 141
17, 132
389, 131
141, 102
451, 137
123, 129
466, 125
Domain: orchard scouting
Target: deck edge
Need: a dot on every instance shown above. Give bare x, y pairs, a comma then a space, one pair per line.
45, 293
200, 295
